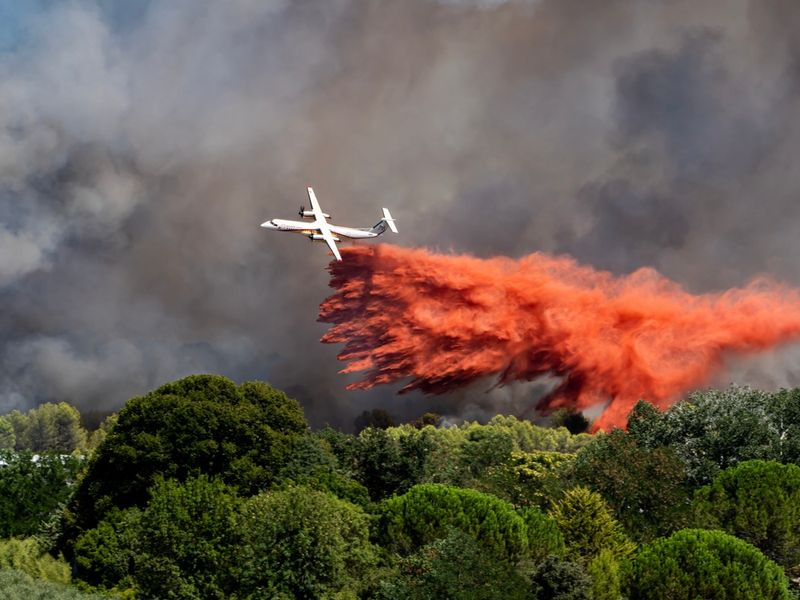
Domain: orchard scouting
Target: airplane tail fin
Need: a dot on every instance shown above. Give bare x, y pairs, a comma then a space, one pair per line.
387, 220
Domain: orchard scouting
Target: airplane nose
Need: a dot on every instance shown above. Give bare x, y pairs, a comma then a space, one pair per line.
268, 224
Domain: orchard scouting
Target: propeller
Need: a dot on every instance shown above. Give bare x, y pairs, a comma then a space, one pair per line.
301, 211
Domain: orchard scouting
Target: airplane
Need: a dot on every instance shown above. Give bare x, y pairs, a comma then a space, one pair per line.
320, 230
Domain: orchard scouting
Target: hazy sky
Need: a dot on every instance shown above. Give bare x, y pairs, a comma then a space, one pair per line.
141, 144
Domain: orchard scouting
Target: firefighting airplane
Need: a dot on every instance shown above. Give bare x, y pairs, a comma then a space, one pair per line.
320, 230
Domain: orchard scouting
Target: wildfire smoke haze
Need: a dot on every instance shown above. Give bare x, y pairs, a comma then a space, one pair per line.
447, 321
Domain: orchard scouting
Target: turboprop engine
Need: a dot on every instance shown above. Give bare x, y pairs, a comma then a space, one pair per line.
321, 238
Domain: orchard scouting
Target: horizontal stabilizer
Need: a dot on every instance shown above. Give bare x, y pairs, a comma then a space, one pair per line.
389, 220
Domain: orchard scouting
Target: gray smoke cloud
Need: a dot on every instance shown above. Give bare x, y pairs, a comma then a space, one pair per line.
141, 144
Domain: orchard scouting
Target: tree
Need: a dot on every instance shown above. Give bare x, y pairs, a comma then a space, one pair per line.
377, 418
758, 502
455, 567
203, 424
695, 563
529, 478
560, 579
301, 543
54, 427
180, 545
429, 511
645, 487
573, 420
588, 527
606, 576
186, 538
386, 465
7, 436
32, 488
544, 538
429, 418
716, 429
312, 464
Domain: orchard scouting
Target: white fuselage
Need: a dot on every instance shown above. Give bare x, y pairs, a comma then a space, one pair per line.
312, 227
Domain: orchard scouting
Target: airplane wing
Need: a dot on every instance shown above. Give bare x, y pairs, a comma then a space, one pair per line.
326, 234
312, 197
322, 224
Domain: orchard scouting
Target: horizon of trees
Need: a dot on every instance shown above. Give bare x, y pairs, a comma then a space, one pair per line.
204, 488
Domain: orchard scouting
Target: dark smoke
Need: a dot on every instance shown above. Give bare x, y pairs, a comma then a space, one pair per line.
141, 144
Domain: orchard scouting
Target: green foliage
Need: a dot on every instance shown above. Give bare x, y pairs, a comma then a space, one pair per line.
385, 464
202, 424
645, 487
560, 579
301, 543
427, 512
588, 527
695, 563
48, 427
717, 429
606, 576
32, 488
482, 457
179, 546
17, 585
312, 464
544, 538
185, 540
529, 478
758, 502
97, 436
25, 555
105, 555
455, 567
7, 436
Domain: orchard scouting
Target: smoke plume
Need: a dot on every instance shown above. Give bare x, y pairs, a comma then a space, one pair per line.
442, 322
142, 143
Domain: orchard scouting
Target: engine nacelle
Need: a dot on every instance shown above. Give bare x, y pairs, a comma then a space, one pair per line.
318, 237
310, 213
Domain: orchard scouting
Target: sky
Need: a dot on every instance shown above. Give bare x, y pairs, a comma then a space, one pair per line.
141, 145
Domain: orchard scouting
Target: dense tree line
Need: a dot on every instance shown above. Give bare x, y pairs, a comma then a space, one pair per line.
207, 489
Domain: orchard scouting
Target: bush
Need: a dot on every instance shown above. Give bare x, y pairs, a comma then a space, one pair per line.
695, 563
16, 585
758, 502
428, 512
26, 556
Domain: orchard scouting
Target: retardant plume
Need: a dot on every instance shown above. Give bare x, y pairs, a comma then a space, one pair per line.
447, 321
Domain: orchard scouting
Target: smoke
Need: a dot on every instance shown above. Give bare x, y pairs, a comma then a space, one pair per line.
141, 144
443, 322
